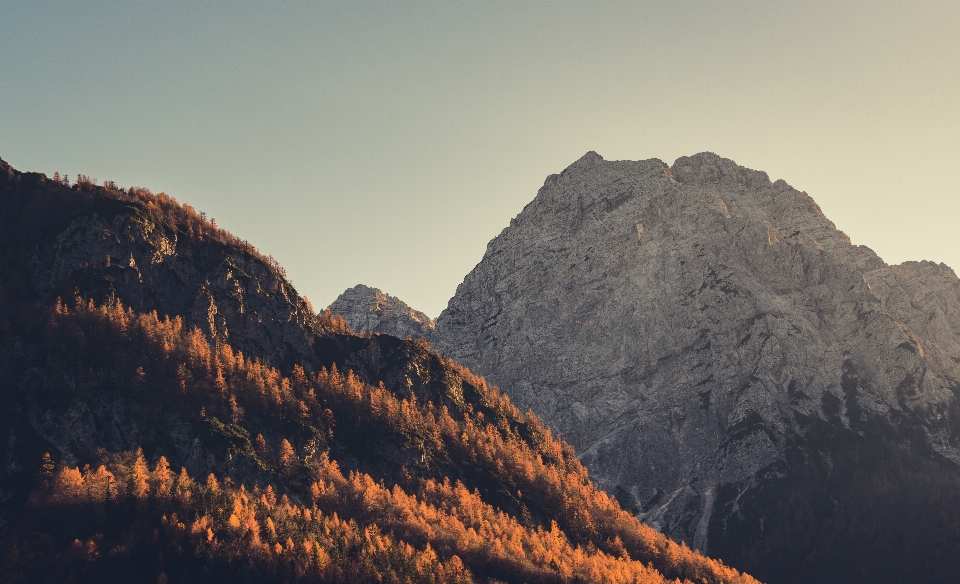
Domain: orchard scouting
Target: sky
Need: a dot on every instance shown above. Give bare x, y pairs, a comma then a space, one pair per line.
386, 143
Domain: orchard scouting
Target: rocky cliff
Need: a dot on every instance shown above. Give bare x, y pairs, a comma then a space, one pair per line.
149, 253
373, 311
729, 364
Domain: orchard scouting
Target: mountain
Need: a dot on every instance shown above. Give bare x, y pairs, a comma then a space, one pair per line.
173, 411
372, 311
730, 366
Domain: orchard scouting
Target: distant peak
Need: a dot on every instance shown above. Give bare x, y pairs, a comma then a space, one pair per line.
372, 310
707, 155
588, 159
701, 160
363, 289
707, 167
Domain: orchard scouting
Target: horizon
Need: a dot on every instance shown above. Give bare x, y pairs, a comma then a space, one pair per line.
385, 145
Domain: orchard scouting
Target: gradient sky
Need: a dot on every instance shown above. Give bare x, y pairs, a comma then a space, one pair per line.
386, 143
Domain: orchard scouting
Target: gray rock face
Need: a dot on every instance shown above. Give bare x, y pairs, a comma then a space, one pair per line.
369, 310
687, 328
230, 294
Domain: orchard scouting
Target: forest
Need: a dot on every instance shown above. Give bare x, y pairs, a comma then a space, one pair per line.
187, 460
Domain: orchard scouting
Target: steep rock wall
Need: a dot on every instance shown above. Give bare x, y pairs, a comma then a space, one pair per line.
696, 331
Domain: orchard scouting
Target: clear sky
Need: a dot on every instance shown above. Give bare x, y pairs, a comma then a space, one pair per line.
386, 143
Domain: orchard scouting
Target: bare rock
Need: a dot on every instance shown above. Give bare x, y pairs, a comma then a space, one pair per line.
231, 295
370, 310
705, 337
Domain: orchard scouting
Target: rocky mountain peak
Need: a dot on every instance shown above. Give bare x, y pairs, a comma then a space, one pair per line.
698, 332
750, 193
371, 310
589, 159
708, 168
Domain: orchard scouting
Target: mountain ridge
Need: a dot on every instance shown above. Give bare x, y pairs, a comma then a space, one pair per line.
708, 279
137, 338
718, 352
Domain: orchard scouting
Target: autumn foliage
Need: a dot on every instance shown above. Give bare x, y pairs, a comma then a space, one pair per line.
311, 520
223, 468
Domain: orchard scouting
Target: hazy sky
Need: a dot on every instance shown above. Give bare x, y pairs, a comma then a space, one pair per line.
386, 143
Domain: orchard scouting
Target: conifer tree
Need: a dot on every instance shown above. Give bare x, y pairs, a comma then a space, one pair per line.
139, 476
162, 477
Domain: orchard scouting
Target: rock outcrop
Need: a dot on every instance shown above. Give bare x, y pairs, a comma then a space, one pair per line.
120, 251
718, 352
369, 310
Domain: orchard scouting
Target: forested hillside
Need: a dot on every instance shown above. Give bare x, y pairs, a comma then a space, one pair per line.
172, 411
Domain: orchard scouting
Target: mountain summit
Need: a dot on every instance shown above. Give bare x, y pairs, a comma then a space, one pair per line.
371, 310
730, 366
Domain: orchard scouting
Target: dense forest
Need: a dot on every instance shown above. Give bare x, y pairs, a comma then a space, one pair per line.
144, 446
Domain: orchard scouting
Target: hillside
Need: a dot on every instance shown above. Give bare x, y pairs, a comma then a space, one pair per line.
173, 411
730, 366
